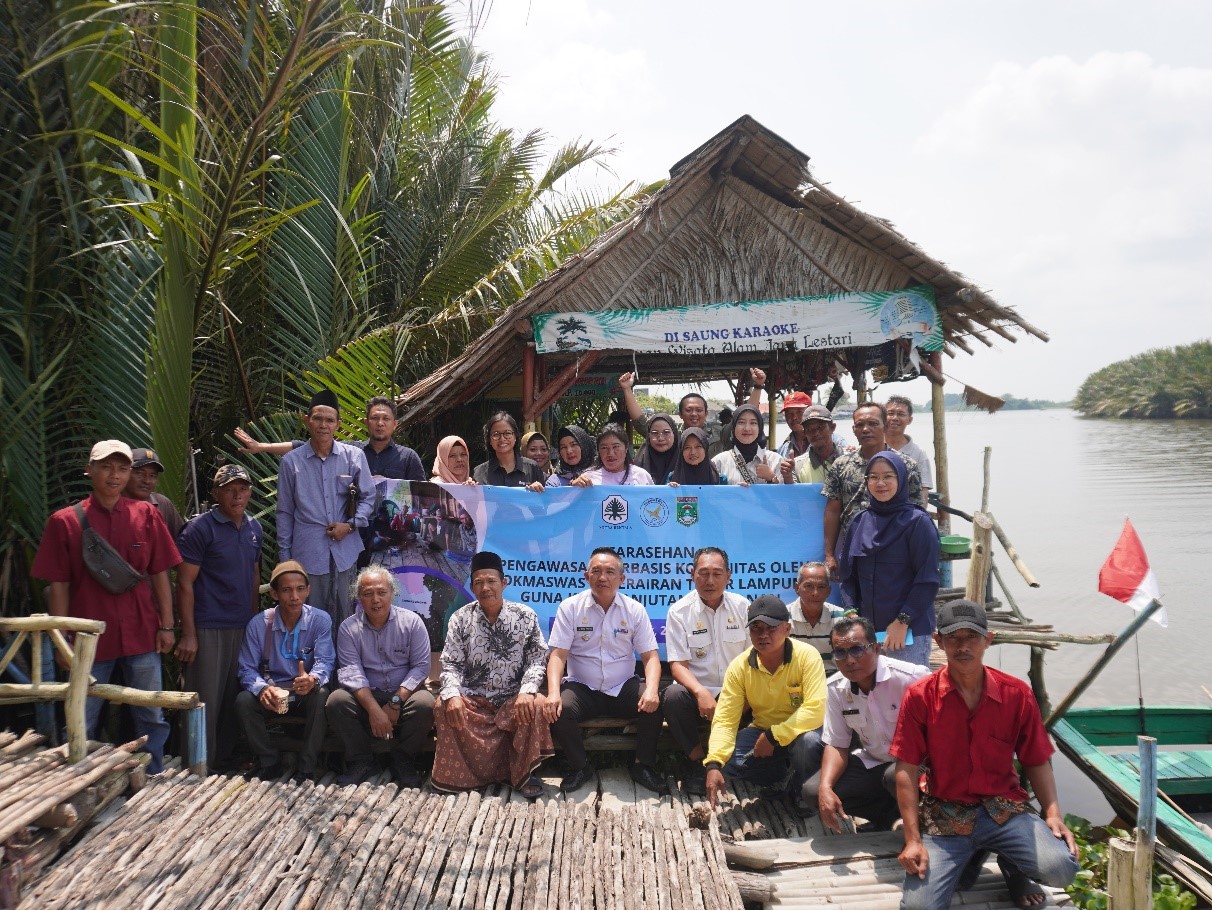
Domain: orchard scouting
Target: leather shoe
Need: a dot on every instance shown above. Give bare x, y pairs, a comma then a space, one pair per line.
355, 772
648, 778
268, 772
575, 780
405, 772
694, 779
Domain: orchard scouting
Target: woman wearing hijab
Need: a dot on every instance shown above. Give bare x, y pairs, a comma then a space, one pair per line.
506, 466
534, 447
889, 562
748, 461
660, 451
693, 467
577, 452
614, 465
453, 462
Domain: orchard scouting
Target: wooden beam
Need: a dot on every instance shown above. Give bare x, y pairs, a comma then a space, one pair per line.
83, 652
560, 384
41, 622
528, 385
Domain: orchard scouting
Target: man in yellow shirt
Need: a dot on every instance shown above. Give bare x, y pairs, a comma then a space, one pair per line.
782, 682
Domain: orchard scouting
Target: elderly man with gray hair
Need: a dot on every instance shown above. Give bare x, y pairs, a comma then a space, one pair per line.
383, 655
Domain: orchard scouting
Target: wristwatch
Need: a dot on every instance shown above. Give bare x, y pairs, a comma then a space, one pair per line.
904, 617
396, 702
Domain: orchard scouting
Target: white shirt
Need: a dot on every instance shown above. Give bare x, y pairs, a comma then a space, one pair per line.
725, 463
635, 477
872, 715
707, 639
602, 644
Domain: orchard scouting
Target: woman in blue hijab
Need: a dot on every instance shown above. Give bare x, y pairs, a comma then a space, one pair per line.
889, 564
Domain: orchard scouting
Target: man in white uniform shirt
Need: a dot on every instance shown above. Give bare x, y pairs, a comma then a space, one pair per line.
863, 698
596, 637
705, 630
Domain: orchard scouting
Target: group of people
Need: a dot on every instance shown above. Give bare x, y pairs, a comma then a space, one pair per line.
749, 697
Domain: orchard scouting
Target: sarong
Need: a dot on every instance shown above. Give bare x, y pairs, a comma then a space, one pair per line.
492, 747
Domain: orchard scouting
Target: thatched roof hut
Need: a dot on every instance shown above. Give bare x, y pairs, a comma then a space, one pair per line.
741, 218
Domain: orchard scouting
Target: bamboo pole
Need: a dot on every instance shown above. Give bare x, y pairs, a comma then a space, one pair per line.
77, 695
978, 569
1146, 824
11, 651
1012, 552
1120, 855
123, 695
985, 479
42, 622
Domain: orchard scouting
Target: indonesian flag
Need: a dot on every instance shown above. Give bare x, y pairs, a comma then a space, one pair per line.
1126, 575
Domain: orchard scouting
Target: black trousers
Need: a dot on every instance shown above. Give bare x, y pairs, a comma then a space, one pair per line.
682, 714
579, 702
869, 793
253, 718
351, 723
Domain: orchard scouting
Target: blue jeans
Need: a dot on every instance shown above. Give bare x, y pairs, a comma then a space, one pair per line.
788, 767
1024, 840
140, 671
916, 653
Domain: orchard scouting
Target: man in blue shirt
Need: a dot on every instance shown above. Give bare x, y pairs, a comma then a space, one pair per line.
385, 457
285, 664
218, 591
384, 657
325, 494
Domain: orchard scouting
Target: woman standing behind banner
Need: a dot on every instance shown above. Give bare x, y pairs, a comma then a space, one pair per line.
534, 447
506, 467
453, 462
889, 561
693, 467
660, 453
748, 461
614, 466
577, 452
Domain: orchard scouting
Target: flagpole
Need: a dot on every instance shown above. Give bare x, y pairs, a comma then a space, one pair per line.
1084, 683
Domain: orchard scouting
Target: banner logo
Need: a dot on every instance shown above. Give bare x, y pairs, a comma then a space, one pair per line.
688, 510
614, 510
654, 512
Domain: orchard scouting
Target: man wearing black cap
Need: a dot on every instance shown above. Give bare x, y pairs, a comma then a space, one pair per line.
491, 721
325, 494
145, 473
782, 682
218, 591
969, 722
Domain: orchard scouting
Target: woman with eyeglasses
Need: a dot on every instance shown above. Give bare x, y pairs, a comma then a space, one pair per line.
889, 562
659, 453
506, 466
748, 461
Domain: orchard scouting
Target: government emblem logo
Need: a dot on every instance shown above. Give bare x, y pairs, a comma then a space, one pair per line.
614, 510
688, 510
654, 512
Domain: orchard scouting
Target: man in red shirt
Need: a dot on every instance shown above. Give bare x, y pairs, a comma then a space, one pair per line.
967, 722
138, 622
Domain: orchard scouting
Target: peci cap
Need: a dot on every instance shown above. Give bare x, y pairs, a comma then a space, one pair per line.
324, 398
230, 473
770, 610
818, 412
486, 559
142, 458
290, 565
108, 447
962, 614
797, 400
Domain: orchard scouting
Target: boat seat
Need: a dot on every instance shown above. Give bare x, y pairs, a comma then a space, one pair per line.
1178, 773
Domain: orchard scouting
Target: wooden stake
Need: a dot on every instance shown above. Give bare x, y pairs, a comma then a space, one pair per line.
978, 568
1120, 857
84, 651
938, 416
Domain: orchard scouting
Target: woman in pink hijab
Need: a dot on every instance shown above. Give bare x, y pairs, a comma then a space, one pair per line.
453, 464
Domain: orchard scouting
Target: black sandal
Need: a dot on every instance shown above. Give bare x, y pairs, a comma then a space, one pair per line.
532, 789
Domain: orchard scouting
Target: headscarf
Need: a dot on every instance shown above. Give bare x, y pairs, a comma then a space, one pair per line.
881, 524
526, 437
748, 449
703, 473
442, 468
659, 464
589, 451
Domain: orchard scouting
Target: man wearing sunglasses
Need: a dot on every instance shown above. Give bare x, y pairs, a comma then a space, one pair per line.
285, 663
862, 699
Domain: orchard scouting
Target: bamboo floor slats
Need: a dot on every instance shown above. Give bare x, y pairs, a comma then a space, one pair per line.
221, 842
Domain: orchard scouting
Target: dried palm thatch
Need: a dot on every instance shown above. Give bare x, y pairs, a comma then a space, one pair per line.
741, 218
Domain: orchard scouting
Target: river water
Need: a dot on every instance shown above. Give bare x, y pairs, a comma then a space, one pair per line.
1061, 487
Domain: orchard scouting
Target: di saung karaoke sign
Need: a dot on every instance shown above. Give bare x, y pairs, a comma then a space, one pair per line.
801, 323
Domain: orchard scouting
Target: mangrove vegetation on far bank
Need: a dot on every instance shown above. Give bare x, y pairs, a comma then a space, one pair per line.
1161, 384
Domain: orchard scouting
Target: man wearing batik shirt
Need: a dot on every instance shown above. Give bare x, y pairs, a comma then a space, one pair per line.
491, 722
383, 654
968, 722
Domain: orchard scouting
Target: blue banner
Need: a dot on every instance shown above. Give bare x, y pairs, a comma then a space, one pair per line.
427, 533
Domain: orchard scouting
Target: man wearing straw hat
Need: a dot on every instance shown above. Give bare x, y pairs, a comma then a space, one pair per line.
968, 723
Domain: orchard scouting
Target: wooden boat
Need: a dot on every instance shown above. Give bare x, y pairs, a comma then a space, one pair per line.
1101, 742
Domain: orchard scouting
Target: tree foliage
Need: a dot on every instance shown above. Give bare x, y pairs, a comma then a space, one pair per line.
1163, 384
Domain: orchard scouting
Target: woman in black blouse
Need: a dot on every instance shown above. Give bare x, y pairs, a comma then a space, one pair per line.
506, 467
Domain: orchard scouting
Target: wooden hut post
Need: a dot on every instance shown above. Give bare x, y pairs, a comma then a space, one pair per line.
938, 415
528, 386
83, 652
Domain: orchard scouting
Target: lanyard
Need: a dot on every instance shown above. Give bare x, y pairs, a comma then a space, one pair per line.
293, 637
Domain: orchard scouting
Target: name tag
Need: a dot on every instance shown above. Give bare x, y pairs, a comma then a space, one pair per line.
699, 632
584, 628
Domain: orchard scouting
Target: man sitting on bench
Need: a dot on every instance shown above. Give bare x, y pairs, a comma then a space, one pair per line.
596, 637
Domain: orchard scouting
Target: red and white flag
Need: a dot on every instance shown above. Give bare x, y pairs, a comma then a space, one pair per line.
1126, 575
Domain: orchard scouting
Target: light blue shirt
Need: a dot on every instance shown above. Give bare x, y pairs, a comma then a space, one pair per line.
383, 659
309, 641
312, 494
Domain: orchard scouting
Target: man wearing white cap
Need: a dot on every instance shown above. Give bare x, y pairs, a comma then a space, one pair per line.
139, 620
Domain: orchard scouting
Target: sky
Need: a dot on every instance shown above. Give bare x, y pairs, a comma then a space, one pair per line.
1056, 153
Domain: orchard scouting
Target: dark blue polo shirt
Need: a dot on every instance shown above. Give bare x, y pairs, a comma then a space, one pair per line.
396, 462
226, 557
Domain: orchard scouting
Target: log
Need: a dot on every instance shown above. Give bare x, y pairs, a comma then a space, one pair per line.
754, 888
978, 569
83, 652
42, 622
124, 695
749, 856
1012, 553
63, 815
1120, 856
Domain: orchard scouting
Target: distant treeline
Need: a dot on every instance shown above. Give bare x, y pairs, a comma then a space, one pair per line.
954, 401
1161, 384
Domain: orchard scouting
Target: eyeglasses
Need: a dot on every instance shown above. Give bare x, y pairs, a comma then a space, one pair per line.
881, 478
853, 653
506, 434
661, 434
